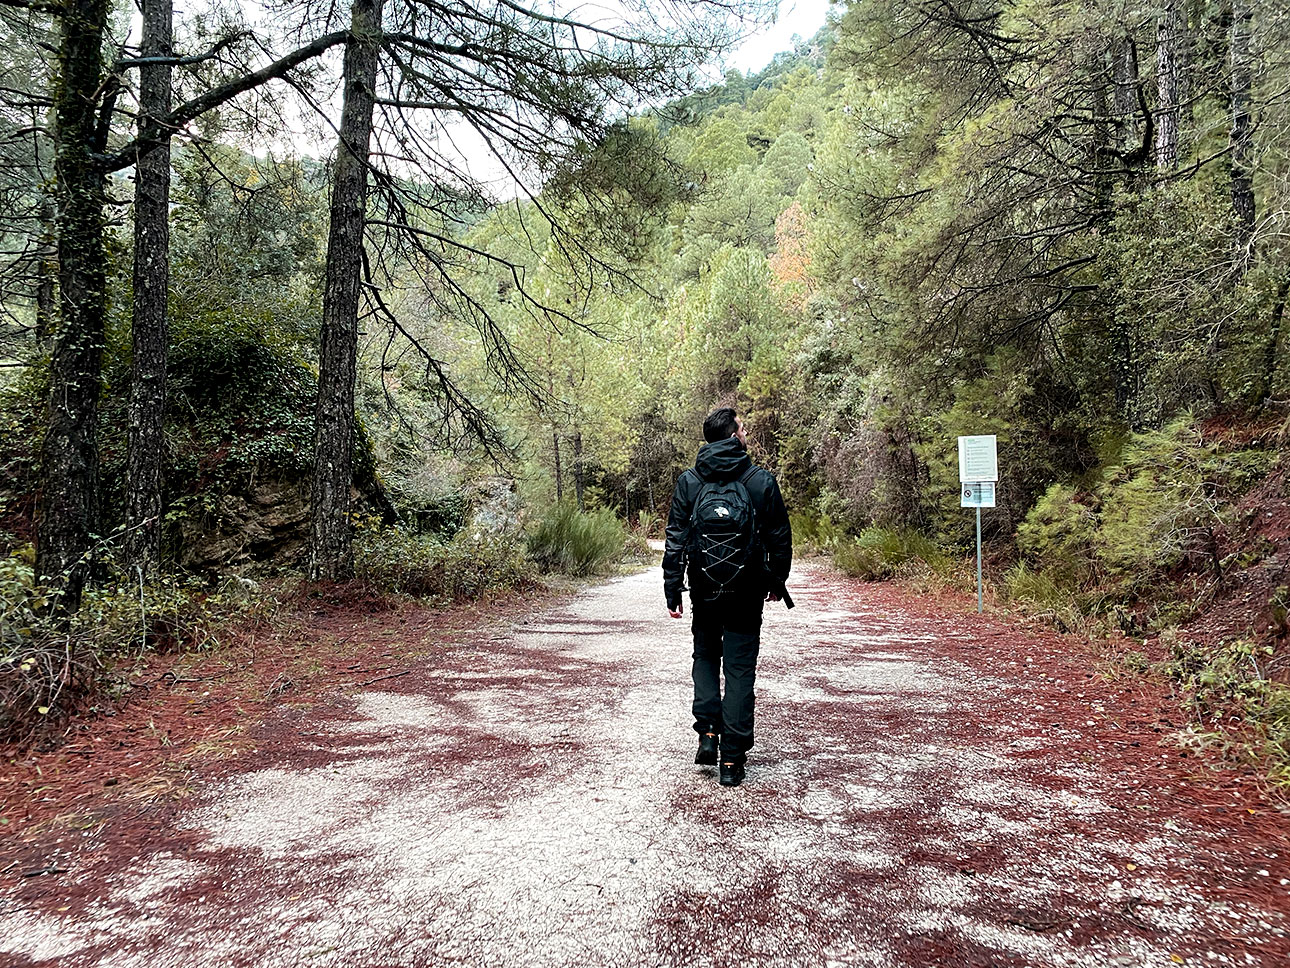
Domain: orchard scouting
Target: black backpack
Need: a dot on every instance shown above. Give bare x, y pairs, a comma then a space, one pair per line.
723, 533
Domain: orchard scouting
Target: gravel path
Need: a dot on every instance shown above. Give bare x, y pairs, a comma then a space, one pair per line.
530, 801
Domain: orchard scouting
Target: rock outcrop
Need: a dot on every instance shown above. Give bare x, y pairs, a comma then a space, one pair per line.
267, 523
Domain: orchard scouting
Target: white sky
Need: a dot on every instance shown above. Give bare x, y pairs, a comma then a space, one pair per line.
802, 17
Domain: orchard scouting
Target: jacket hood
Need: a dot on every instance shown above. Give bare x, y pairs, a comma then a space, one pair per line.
722, 460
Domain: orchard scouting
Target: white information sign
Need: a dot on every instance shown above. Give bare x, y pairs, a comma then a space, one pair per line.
977, 494
978, 459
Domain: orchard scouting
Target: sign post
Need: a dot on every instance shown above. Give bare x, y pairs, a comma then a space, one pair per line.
978, 475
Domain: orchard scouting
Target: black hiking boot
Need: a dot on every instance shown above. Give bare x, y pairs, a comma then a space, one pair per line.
707, 754
732, 774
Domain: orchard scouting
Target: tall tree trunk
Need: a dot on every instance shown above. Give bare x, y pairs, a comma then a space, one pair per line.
1167, 85
1185, 50
150, 329
1102, 157
559, 479
331, 550
579, 480
1115, 103
68, 510
1242, 155
1124, 56
1272, 342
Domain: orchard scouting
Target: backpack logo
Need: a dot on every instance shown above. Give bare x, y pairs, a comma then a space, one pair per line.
724, 512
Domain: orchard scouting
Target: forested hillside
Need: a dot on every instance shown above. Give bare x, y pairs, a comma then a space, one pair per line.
1061, 224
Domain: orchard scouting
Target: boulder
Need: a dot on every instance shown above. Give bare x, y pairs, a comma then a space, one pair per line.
495, 507
266, 523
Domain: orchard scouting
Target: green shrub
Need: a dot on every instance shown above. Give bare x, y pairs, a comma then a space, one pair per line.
1058, 534
399, 561
860, 561
1160, 505
1045, 594
49, 664
476, 566
648, 524
1156, 504
815, 532
636, 547
426, 566
170, 613
1023, 584
576, 543
879, 553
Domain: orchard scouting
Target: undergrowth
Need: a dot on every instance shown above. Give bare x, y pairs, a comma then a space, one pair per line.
649, 524
577, 543
880, 553
1156, 504
425, 565
43, 670
1229, 689
815, 533
1044, 595
51, 664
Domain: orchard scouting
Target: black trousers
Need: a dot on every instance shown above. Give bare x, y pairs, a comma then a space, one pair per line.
727, 638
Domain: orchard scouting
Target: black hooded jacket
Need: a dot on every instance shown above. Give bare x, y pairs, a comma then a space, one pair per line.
726, 460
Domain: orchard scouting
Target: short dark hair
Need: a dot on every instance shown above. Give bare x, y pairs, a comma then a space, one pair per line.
720, 425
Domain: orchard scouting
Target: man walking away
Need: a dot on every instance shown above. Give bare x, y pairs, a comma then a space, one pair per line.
728, 523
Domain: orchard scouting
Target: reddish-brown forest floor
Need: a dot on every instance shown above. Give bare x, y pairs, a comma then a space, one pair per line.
186, 713
367, 784
191, 714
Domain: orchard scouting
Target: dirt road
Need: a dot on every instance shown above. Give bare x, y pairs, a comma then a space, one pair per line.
928, 788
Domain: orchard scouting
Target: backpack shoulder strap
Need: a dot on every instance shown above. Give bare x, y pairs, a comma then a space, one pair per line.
694, 509
699, 492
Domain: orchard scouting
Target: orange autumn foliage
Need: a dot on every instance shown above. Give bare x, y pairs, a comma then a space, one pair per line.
790, 262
